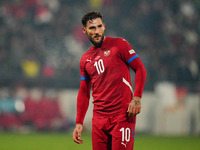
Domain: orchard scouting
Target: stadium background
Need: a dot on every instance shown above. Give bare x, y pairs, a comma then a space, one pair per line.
41, 42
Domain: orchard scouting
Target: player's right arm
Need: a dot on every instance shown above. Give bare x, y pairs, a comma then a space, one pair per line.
77, 133
82, 104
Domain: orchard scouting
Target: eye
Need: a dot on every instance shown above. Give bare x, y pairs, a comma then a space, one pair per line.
100, 25
91, 28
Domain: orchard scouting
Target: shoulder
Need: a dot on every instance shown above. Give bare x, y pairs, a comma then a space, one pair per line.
85, 57
123, 41
117, 40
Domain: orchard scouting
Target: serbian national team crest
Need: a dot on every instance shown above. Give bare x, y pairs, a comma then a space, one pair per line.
106, 53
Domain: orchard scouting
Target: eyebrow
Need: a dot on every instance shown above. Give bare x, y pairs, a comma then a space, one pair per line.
92, 27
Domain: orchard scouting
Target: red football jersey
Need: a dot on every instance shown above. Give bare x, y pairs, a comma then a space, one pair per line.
107, 68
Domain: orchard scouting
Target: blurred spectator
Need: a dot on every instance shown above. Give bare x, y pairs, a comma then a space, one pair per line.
162, 32
183, 72
30, 66
10, 108
42, 111
95, 4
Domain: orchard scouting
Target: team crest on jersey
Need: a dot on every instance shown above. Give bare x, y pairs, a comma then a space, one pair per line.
106, 53
131, 51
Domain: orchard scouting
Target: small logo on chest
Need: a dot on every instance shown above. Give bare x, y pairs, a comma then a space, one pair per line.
97, 57
106, 53
89, 60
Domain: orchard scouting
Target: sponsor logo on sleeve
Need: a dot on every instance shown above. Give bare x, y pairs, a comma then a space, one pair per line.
131, 51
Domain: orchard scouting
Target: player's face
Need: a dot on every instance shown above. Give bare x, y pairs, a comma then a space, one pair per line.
95, 31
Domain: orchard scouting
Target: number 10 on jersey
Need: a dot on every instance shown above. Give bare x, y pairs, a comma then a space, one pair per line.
99, 66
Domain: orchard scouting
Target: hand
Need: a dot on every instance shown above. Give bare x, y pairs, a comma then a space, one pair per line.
77, 133
134, 107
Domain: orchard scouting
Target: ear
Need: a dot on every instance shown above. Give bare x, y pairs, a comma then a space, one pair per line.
83, 29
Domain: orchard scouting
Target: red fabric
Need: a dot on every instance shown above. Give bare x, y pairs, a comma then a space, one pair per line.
107, 68
83, 100
140, 76
118, 131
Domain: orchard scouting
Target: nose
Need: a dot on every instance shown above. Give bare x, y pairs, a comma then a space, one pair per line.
96, 31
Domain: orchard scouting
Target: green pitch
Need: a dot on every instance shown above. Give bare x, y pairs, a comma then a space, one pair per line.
63, 141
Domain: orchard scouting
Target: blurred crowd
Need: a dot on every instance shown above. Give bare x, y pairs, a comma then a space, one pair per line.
41, 41
23, 109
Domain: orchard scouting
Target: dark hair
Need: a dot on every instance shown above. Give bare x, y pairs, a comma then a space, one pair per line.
90, 16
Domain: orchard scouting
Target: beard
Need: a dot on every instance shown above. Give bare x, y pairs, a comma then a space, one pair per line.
97, 44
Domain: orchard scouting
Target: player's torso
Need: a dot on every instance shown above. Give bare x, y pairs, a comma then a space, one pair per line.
106, 70
104, 65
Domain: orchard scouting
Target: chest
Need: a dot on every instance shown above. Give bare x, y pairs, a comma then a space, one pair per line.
103, 62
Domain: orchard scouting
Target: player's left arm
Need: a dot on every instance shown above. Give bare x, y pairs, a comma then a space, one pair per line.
140, 77
133, 60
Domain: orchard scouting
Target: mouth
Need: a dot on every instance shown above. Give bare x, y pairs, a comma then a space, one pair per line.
97, 37
97, 40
